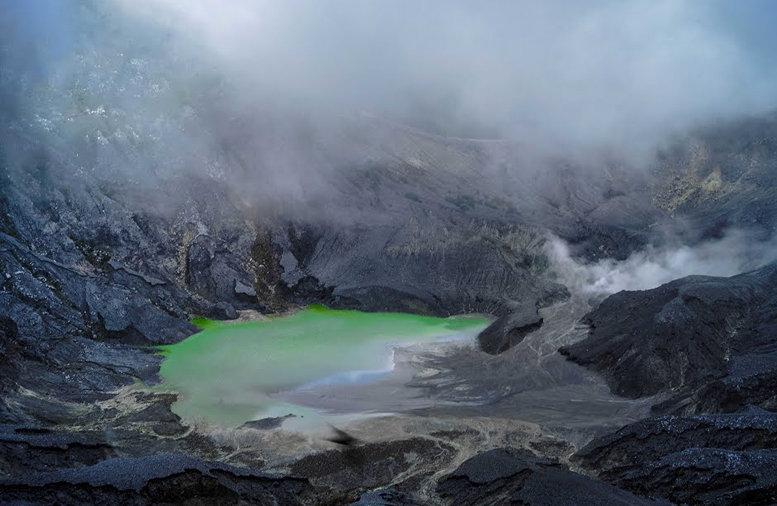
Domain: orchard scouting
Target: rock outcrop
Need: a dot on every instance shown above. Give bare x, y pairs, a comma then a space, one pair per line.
708, 344
699, 460
504, 476
509, 330
710, 341
157, 479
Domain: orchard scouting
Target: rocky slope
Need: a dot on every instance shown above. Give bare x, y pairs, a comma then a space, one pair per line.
116, 228
709, 341
708, 344
95, 269
158, 479
94, 265
722, 177
706, 459
502, 476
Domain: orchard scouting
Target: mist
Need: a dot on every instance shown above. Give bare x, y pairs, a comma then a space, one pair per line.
588, 75
266, 95
737, 252
591, 75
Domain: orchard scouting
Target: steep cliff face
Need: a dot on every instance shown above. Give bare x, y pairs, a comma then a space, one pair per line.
722, 177
708, 346
704, 339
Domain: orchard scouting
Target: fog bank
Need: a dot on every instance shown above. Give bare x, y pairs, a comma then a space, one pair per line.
597, 74
591, 74
732, 254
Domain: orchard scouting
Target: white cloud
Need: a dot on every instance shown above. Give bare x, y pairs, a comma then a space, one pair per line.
576, 74
735, 253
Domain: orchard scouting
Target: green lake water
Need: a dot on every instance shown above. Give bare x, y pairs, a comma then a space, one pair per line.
227, 373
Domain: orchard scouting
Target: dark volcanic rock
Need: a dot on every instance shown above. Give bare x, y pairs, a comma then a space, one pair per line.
65, 435
28, 449
213, 272
685, 334
119, 314
751, 379
73, 332
706, 476
711, 342
267, 423
653, 438
504, 476
221, 311
424, 265
386, 497
704, 459
374, 464
159, 479
509, 330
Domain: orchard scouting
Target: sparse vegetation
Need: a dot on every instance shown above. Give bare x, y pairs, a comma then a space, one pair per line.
96, 256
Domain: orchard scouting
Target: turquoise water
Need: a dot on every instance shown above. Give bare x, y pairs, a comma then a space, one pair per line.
228, 373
